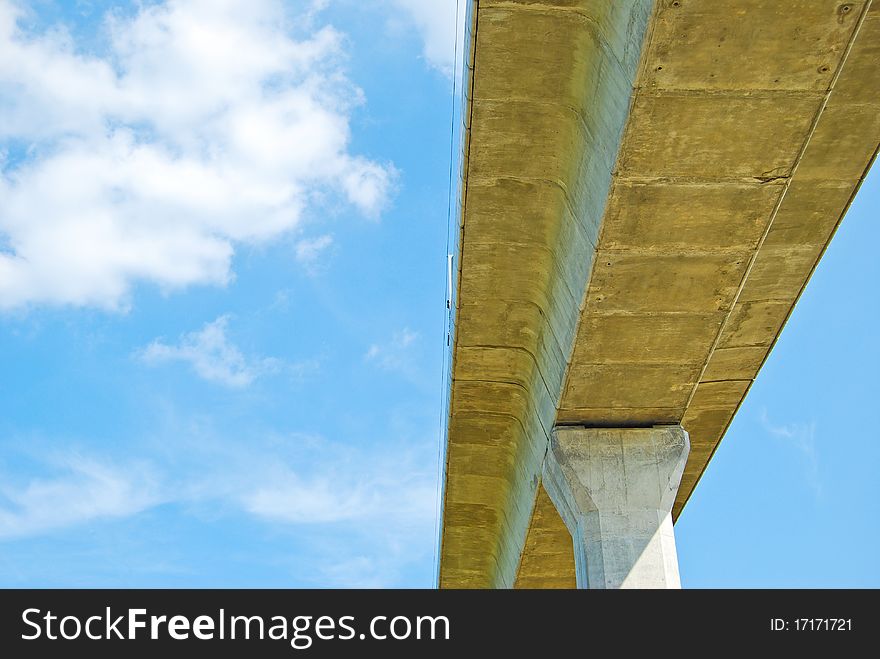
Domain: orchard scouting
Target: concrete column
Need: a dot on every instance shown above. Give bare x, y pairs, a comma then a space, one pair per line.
614, 489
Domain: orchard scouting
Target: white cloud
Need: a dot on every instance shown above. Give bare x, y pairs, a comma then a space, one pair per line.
801, 437
353, 505
206, 125
309, 252
436, 22
344, 486
212, 355
370, 512
396, 354
292, 480
88, 490
297, 479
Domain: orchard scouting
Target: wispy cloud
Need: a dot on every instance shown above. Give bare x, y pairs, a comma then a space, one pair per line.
370, 512
369, 508
801, 437
86, 490
343, 485
396, 354
436, 22
310, 252
212, 356
204, 126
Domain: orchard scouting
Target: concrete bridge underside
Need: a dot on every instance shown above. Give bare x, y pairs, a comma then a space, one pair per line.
647, 188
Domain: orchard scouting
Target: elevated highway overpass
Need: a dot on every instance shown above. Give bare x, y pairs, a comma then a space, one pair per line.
647, 186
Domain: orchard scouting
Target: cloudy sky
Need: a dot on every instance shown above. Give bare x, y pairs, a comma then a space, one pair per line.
222, 283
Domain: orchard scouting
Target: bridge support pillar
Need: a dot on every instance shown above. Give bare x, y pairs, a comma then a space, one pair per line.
614, 489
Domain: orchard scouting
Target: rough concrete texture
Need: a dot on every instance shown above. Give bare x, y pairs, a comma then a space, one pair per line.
647, 188
614, 490
548, 555
549, 98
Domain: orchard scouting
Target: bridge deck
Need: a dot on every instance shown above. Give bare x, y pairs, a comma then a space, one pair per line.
648, 187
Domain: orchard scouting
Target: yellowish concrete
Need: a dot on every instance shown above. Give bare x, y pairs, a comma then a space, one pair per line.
548, 104
647, 188
548, 557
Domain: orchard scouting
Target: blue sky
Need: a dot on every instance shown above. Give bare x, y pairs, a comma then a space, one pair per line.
222, 282
792, 496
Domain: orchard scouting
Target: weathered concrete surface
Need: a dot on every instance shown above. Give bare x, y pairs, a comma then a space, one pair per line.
614, 489
648, 186
548, 555
549, 101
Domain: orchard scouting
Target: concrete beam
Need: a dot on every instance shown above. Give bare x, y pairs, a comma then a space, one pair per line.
548, 103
